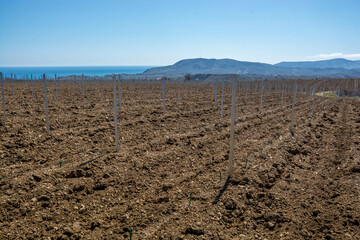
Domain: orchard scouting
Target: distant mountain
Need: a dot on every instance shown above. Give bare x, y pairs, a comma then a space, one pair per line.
332, 63
230, 66
211, 66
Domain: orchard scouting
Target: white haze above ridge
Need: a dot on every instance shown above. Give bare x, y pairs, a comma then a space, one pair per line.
353, 56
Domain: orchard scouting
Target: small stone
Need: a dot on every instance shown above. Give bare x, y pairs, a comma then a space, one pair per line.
194, 231
68, 231
94, 225
100, 186
44, 198
76, 225
82, 208
230, 204
78, 187
36, 178
270, 225
75, 174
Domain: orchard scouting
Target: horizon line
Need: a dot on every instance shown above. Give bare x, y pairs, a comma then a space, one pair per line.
82, 66
174, 63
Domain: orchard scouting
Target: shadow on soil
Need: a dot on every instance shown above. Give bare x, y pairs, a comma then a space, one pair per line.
222, 191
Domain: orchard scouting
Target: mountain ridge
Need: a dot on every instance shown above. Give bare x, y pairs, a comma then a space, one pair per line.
331, 63
231, 66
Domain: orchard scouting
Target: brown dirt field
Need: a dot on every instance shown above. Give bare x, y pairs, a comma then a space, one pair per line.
305, 186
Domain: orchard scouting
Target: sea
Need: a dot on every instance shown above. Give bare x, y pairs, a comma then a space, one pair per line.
23, 72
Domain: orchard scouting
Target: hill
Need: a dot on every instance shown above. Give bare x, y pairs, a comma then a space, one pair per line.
332, 63
230, 66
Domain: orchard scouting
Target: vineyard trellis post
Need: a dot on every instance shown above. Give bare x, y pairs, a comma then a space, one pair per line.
115, 117
222, 101
293, 108
163, 94
12, 84
282, 95
120, 92
216, 93
262, 92
46, 105
32, 87
83, 88
57, 94
232, 129
3, 96
313, 103
146, 88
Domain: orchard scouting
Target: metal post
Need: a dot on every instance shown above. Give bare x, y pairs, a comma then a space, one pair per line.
3, 95
232, 133
115, 117
46, 105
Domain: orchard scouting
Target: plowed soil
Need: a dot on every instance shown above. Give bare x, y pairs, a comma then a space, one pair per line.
284, 186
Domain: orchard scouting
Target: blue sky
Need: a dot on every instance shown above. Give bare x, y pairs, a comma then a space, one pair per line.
162, 32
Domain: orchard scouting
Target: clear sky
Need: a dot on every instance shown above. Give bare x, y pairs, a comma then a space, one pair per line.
162, 32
